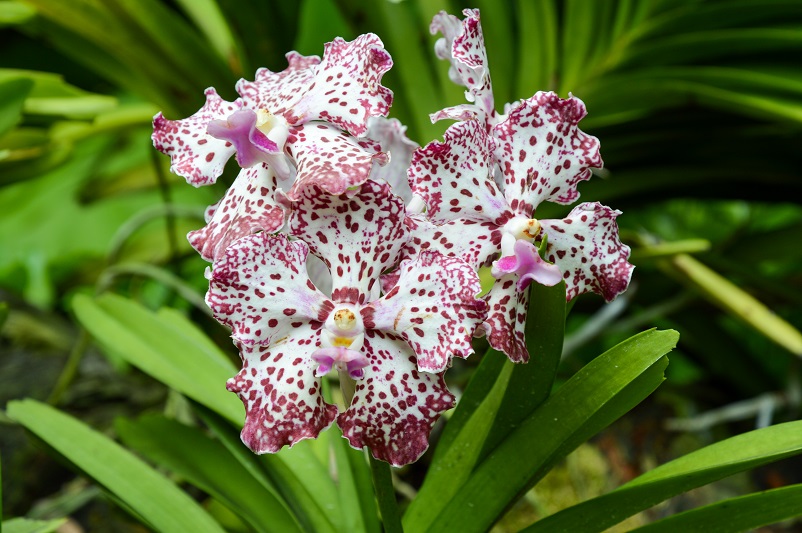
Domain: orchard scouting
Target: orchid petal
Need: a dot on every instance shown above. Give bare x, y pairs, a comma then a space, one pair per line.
259, 288
392, 139
282, 396
476, 243
458, 112
278, 92
586, 247
347, 90
542, 152
434, 307
527, 264
195, 155
247, 207
358, 236
329, 159
394, 406
454, 178
464, 45
506, 319
319, 274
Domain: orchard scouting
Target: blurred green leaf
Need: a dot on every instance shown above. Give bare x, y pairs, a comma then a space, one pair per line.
162, 350
13, 93
206, 463
320, 21
25, 525
734, 514
695, 469
735, 301
157, 500
42, 217
537, 47
12, 13
608, 387
206, 14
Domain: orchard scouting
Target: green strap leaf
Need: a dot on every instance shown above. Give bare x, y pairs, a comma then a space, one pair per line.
271, 473
413, 66
25, 525
530, 384
158, 348
537, 42
499, 397
207, 464
701, 467
13, 93
12, 13
206, 14
320, 21
157, 500
594, 397
355, 487
735, 514
199, 370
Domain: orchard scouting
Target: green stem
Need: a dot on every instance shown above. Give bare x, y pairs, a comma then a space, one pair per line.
385, 495
70, 368
167, 200
382, 477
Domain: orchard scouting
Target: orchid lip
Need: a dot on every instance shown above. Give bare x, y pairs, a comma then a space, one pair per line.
526, 263
343, 359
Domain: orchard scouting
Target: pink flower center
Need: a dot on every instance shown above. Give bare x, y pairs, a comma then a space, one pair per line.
520, 256
341, 343
258, 137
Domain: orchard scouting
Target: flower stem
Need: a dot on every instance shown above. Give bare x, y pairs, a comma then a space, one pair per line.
382, 477
385, 494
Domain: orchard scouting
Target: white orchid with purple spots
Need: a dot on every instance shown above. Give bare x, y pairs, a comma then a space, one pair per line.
293, 128
319, 202
483, 184
395, 346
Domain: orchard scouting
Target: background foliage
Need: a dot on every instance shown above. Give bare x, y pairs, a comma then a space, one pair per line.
698, 106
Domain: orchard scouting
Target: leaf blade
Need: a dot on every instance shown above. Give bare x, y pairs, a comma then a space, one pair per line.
164, 506
608, 387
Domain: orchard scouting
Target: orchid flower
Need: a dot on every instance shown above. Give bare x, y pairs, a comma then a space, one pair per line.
394, 346
538, 154
293, 128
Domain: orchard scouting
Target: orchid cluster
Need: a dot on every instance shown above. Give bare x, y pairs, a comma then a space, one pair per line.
343, 246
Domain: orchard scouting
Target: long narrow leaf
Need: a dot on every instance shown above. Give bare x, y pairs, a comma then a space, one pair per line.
158, 348
601, 392
735, 514
206, 464
272, 472
537, 46
709, 464
24, 525
157, 500
137, 335
13, 93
